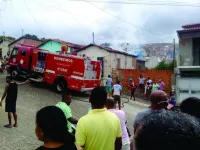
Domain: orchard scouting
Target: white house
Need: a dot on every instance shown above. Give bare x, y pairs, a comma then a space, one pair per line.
4, 46
111, 59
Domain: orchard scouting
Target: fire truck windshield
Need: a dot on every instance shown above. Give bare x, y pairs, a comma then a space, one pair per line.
14, 52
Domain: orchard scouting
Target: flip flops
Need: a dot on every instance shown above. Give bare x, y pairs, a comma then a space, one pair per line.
8, 126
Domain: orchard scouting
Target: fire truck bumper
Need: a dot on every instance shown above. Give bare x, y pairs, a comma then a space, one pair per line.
86, 89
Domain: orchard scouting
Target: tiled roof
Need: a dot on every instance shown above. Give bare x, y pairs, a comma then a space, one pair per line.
76, 46
196, 25
108, 49
189, 30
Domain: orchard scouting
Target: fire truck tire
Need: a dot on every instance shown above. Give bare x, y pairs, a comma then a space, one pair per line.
14, 72
60, 85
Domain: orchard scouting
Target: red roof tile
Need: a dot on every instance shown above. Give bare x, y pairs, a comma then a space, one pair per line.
196, 25
189, 30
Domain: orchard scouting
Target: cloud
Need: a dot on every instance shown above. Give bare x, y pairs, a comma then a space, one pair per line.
75, 21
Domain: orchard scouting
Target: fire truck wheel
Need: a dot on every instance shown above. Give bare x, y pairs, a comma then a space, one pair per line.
60, 85
14, 73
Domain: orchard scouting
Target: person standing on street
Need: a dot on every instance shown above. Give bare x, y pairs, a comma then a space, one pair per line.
117, 91
111, 106
64, 106
50, 129
155, 86
99, 129
158, 102
141, 83
133, 88
10, 92
161, 85
109, 86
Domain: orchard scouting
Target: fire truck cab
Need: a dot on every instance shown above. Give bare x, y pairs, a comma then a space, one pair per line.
61, 70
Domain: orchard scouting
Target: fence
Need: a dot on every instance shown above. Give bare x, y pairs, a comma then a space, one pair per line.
124, 74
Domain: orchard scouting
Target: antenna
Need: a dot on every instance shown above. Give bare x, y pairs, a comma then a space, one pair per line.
22, 32
93, 37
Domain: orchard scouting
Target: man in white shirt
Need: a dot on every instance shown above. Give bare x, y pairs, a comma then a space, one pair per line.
117, 91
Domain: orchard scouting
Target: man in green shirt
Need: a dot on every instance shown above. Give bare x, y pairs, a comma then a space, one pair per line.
64, 106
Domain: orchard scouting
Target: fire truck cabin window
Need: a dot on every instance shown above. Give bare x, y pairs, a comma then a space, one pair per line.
23, 52
14, 52
42, 56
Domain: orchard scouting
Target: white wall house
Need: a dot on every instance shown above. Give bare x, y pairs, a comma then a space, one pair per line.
112, 59
4, 46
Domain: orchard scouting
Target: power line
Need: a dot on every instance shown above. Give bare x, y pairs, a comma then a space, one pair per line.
127, 21
142, 3
33, 17
1, 20
15, 14
68, 12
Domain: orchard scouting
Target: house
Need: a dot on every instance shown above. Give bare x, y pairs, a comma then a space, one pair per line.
189, 45
4, 42
111, 59
140, 63
152, 62
24, 40
54, 45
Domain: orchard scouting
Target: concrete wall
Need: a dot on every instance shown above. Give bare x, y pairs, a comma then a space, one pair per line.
110, 59
185, 57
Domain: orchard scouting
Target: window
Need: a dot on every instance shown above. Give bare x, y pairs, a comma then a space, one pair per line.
14, 52
23, 53
42, 56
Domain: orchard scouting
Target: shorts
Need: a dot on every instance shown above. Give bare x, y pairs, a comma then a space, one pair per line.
117, 98
108, 89
141, 86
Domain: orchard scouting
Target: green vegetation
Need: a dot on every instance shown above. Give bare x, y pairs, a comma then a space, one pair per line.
163, 65
7, 37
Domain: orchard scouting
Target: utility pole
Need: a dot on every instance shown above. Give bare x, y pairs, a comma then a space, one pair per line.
3, 34
174, 59
22, 32
93, 37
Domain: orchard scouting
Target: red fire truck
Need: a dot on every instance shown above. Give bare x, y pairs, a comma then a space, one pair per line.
62, 70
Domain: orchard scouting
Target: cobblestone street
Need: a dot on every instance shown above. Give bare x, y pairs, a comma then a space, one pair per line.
30, 99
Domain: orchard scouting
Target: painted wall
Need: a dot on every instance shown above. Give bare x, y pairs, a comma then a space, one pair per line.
4, 47
53, 46
185, 57
110, 59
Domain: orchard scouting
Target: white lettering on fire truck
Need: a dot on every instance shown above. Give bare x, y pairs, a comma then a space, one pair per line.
77, 73
63, 59
62, 69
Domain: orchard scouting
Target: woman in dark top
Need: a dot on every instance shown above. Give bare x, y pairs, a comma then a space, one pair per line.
51, 128
10, 92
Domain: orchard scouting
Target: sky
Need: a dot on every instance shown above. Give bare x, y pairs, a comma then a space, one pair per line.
74, 21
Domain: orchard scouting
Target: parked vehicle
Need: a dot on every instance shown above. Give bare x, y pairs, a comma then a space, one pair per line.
61, 70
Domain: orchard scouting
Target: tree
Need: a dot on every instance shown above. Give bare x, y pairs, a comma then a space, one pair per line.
162, 66
33, 37
165, 66
106, 44
8, 37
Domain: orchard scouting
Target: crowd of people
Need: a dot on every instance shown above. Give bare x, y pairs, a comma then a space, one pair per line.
104, 126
